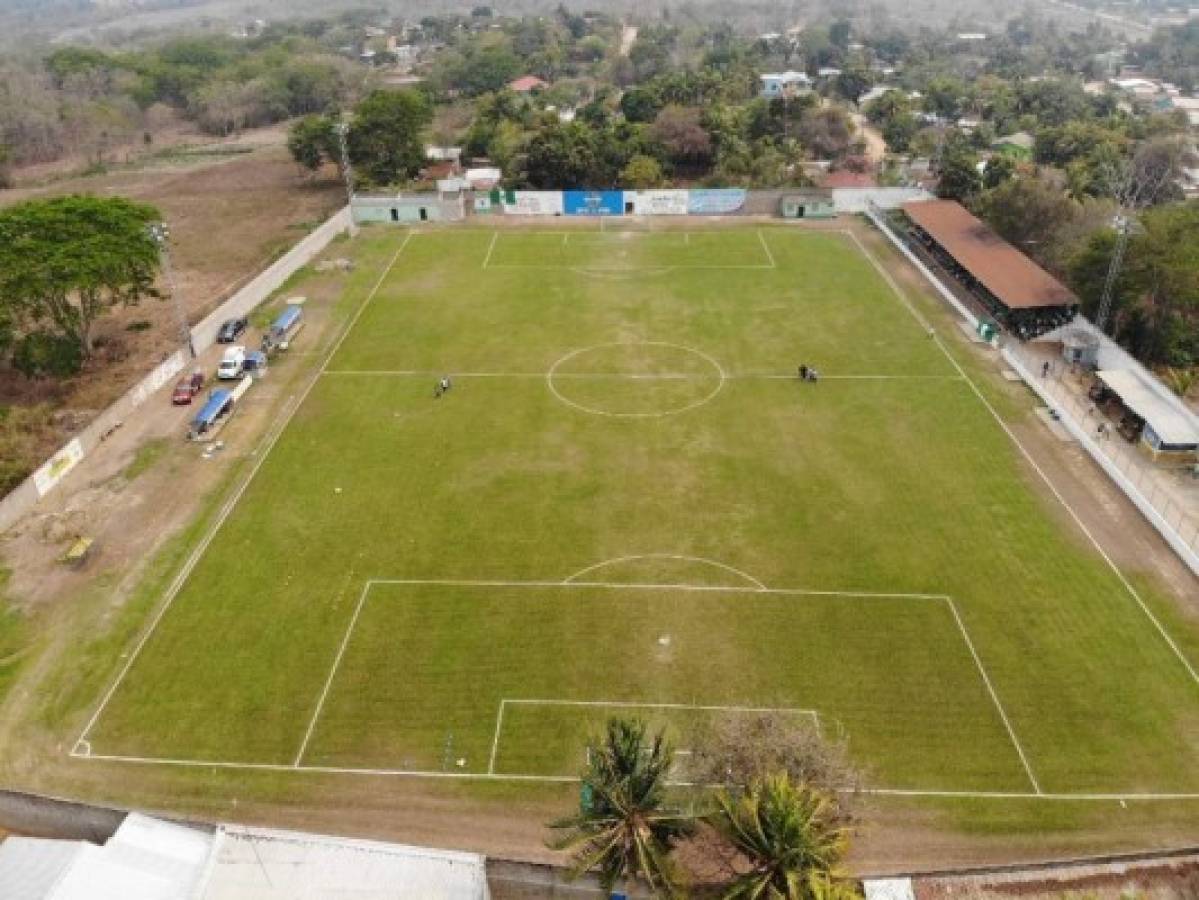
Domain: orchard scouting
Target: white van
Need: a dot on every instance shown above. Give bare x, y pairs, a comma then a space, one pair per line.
233, 363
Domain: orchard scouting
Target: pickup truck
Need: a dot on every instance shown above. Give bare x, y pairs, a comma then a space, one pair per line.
233, 363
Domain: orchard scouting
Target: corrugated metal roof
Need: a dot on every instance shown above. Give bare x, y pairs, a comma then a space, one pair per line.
1171, 424
1015, 280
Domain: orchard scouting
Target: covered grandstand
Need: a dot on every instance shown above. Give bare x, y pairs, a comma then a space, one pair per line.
1010, 287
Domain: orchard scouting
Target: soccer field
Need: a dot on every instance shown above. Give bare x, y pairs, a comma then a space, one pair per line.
628, 502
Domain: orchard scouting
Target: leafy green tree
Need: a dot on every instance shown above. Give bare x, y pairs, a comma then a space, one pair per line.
387, 135
66, 261
626, 828
488, 69
642, 172
838, 33
958, 170
1156, 298
313, 142
999, 169
565, 156
640, 104
791, 838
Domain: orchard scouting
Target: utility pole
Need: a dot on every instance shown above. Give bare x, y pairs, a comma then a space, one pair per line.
161, 234
343, 129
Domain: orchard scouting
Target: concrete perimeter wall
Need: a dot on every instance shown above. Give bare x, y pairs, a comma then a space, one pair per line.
26, 495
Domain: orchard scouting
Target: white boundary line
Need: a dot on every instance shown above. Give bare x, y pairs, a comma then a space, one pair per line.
341, 651
766, 247
616, 704
495, 236
1036, 467
571, 779
994, 696
632, 376
193, 559
674, 557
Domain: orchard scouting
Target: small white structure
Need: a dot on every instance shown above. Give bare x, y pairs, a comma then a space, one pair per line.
482, 179
888, 889
148, 859
777, 86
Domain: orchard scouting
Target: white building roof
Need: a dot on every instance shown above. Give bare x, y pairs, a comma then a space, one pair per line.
259, 864
888, 889
1163, 413
148, 859
31, 867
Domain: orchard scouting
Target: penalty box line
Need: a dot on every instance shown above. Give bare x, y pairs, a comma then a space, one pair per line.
262, 453
570, 582
593, 238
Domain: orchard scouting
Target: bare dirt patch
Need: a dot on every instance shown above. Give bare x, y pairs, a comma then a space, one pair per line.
229, 218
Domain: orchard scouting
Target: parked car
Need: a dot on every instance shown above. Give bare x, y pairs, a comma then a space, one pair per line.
186, 390
233, 363
231, 330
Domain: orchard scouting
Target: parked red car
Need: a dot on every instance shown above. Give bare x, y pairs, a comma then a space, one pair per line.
186, 390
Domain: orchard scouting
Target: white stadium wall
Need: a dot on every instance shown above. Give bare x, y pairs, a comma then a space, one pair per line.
535, 203
657, 203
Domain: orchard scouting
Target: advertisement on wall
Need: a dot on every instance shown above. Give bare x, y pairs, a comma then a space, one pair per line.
715, 201
534, 203
657, 203
57, 466
593, 203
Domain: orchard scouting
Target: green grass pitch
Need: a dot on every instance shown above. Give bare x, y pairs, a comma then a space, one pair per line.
628, 502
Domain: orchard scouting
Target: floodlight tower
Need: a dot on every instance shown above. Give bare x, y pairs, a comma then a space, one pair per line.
160, 233
1123, 224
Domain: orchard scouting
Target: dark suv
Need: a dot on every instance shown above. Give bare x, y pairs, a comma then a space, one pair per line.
231, 330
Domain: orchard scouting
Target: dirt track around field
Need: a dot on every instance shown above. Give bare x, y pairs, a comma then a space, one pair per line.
133, 517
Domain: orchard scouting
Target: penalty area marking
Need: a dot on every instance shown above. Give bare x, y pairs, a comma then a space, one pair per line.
82, 745
673, 557
617, 704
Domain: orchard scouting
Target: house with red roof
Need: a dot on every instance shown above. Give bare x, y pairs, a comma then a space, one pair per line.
526, 84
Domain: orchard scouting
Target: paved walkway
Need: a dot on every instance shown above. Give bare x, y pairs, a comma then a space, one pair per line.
1172, 490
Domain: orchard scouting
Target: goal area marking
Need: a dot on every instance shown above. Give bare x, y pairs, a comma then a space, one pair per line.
634, 705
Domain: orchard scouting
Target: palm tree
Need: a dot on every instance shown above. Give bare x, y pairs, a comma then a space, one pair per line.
625, 829
790, 835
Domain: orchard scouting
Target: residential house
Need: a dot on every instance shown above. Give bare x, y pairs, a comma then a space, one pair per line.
784, 85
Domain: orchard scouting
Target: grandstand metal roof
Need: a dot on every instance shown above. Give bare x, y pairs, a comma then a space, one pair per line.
1173, 425
1014, 279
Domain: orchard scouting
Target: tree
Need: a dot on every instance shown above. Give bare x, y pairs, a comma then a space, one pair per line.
678, 130
486, 70
565, 156
640, 104
1029, 212
312, 142
735, 749
1156, 297
999, 169
790, 838
386, 139
625, 829
826, 132
5, 159
958, 174
641, 172
66, 261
